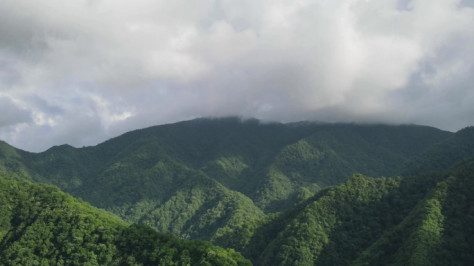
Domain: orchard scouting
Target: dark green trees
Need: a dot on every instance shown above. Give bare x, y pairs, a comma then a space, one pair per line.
280, 194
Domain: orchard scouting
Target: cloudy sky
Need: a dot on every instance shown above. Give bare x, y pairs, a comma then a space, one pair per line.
82, 71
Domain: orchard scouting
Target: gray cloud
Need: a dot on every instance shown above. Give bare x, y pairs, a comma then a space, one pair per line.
11, 114
79, 72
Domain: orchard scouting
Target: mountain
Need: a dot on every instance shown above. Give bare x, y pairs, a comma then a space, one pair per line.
443, 155
426, 220
40, 225
437, 231
218, 179
282, 194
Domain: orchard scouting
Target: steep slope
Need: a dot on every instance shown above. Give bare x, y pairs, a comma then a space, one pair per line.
12, 162
247, 156
263, 190
204, 209
443, 155
248, 168
332, 153
438, 231
40, 225
329, 228
427, 220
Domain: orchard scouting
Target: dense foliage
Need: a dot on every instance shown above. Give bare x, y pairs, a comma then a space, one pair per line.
426, 220
437, 231
40, 225
282, 194
248, 166
338, 223
443, 155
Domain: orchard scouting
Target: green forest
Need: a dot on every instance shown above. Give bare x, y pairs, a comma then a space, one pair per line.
40, 225
241, 192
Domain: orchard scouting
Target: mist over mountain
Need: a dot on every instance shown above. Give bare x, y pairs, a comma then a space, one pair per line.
96, 69
106, 159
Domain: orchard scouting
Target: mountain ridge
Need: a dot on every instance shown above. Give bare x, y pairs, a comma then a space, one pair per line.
242, 184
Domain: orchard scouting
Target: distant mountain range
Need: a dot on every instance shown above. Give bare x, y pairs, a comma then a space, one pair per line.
281, 194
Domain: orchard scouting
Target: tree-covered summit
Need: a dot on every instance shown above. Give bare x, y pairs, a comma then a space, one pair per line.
282, 194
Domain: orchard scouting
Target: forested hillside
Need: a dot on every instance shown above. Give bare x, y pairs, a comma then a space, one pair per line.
376, 221
443, 155
272, 166
438, 230
40, 225
282, 194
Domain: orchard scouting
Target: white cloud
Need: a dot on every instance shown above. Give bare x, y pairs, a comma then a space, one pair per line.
81, 71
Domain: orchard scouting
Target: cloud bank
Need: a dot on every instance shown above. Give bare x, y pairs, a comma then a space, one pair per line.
82, 71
